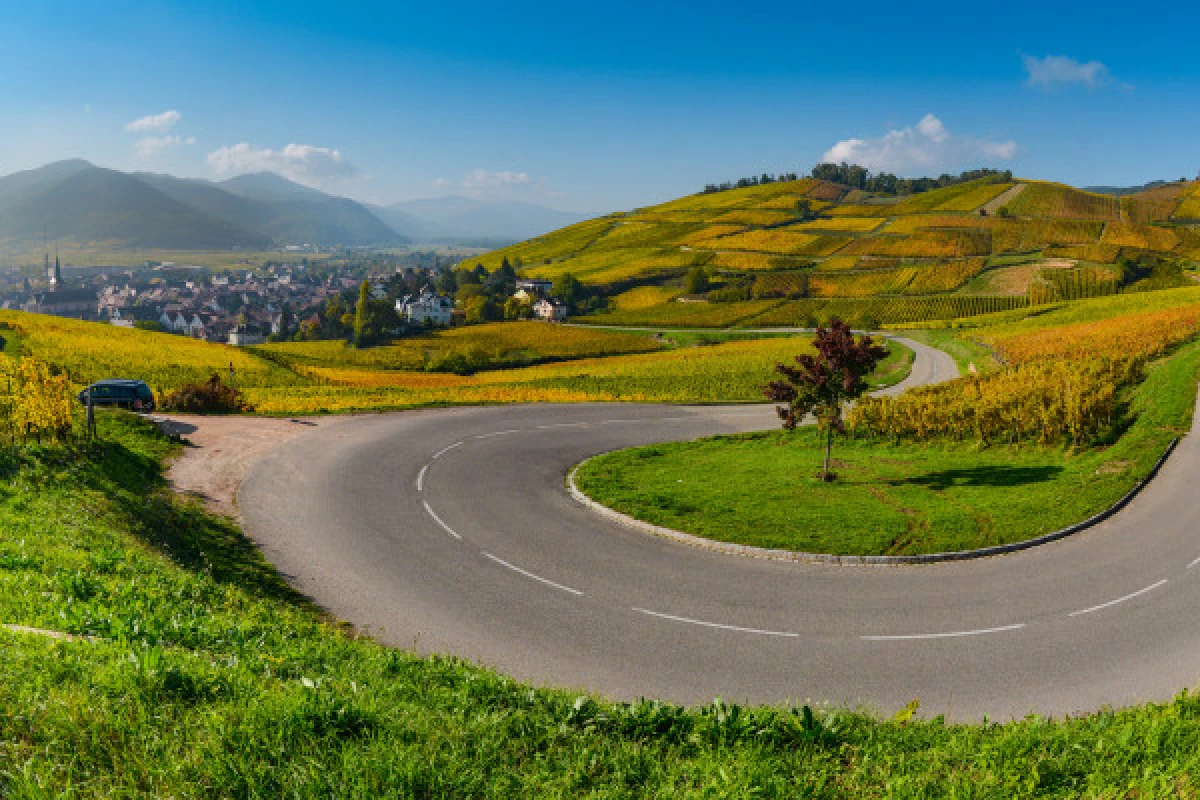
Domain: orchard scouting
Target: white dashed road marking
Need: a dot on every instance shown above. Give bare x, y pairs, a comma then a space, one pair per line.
702, 623
421, 478
1118, 600
946, 635
1194, 563
438, 520
528, 574
445, 450
496, 433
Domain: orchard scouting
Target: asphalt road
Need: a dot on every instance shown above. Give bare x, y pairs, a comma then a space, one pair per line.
450, 531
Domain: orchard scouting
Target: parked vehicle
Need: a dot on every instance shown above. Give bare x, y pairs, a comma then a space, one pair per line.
120, 392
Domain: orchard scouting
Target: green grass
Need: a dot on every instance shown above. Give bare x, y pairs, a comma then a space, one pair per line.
889, 499
209, 677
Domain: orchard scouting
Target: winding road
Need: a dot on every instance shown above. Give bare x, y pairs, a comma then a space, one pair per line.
450, 531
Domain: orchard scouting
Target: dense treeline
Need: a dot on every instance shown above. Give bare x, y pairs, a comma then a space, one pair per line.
857, 177
742, 183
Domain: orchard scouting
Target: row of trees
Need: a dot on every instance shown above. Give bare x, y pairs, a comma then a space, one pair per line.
857, 177
753, 180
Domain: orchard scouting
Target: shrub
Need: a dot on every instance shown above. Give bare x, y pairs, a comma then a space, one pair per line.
212, 396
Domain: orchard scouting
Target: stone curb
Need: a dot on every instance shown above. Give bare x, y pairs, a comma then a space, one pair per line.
825, 558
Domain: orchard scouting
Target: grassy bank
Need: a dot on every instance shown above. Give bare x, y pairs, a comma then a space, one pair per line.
762, 489
208, 677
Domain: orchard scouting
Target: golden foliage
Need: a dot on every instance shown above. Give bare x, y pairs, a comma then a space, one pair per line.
1145, 237
34, 403
1056, 200
1059, 383
1145, 335
1046, 401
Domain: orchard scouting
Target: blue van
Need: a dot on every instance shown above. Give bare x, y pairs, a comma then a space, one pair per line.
134, 395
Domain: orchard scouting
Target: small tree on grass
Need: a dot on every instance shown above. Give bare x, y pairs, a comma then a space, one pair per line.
362, 315
822, 384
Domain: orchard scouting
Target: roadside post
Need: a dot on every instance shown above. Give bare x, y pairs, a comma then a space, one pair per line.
91, 416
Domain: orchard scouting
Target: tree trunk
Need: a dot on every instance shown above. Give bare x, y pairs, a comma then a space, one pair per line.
827, 475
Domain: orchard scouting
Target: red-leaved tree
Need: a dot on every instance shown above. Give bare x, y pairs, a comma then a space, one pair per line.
824, 383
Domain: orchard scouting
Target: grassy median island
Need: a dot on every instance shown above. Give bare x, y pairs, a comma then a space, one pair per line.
206, 676
891, 499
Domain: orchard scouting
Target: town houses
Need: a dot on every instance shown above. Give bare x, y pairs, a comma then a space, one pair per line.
279, 299
189, 301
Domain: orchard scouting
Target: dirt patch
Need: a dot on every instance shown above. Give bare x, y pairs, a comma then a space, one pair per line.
1002, 199
219, 451
1113, 467
1015, 279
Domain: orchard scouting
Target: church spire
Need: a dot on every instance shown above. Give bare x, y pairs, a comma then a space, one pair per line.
56, 279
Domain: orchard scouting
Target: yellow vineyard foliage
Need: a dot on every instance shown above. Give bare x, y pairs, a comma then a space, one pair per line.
1145, 335
33, 402
1059, 383
1046, 402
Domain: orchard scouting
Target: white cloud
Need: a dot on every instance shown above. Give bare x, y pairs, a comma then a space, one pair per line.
152, 145
481, 181
302, 163
1051, 71
924, 149
159, 123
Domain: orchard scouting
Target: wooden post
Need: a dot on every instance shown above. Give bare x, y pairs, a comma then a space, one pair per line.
91, 416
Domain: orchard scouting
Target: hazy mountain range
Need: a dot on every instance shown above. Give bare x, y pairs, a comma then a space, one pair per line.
76, 201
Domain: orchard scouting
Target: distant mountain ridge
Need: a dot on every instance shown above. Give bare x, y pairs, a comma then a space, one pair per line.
462, 217
76, 201
1122, 191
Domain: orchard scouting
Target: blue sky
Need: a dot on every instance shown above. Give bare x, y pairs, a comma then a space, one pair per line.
602, 106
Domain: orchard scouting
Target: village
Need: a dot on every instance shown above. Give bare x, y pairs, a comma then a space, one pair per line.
280, 301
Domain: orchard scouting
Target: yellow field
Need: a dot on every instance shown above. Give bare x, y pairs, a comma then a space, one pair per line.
963, 197
840, 225
857, 210
1145, 237
862, 284
778, 240
499, 342
754, 262
917, 223
1056, 200
839, 262
725, 372
929, 244
1026, 235
644, 297
1144, 335
711, 233
755, 216
90, 351
1100, 253
1189, 206
1153, 205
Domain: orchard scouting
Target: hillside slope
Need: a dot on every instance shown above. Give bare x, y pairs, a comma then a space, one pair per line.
759, 229
992, 240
